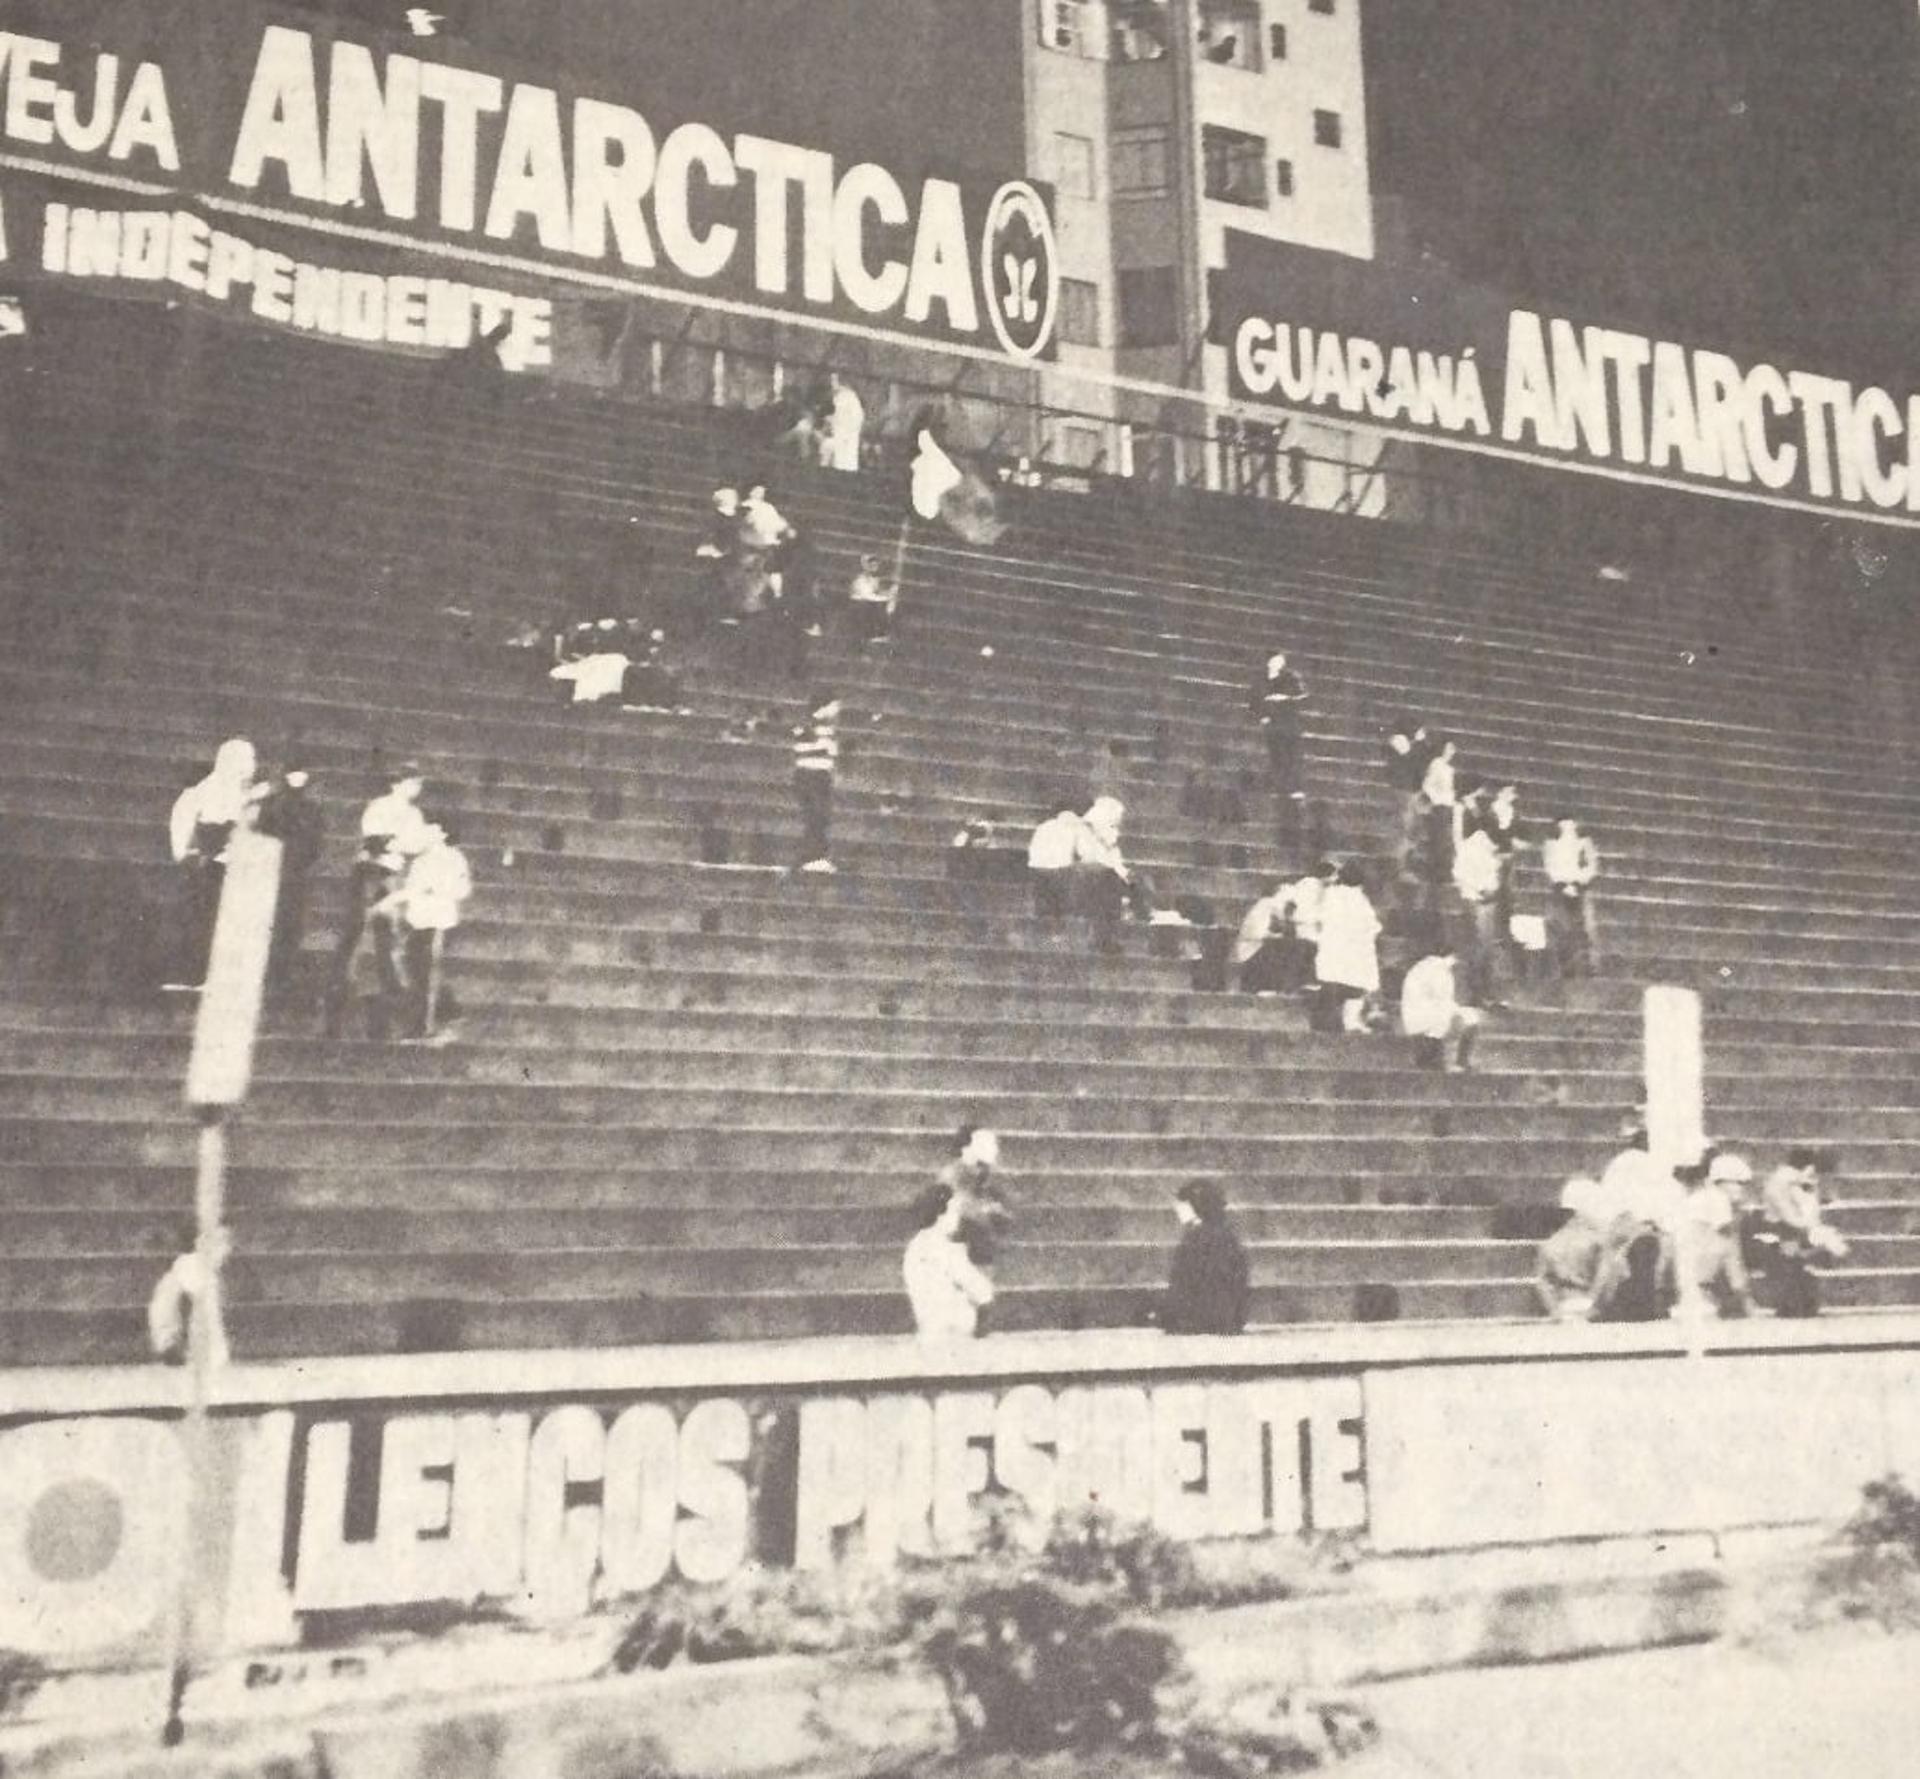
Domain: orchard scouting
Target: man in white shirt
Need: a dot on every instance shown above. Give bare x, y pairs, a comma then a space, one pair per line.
846, 419
1476, 884
1571, 863
393, 832
429, 903
1716, 1212
945, 1290
1050, 855
1432, 1014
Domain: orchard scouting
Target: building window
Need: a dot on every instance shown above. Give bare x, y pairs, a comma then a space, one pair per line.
1236, 166
1283, 178
1149, 307
1326, 129
1079, 312
1082, 447
1075, 28
1138, 164
1277, 43
1324, 7
1073, 165
1230, 34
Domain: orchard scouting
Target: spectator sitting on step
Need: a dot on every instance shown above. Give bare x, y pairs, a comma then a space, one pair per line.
1638, 1187
1789, 1232
1104, 884
1712, 1245
1050, 857
985, 1216
191, 1281
1271, 954
1571, 863
199, 829
1442, 1027
1208, 1285
945, 1290
594, 659
871, 605
1346, 963
1570, 1258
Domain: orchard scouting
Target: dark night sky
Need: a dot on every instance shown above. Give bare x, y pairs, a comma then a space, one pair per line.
1737, 171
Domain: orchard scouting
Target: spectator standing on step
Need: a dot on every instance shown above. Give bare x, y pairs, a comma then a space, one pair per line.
1347, 956
871, 605
816, 763
1476, 916
1208, 1284
1278, 695
1439, 792
945, 1290
291, 814
366, 961
1571, 863
846, 420
1408, 755
1500, 818
1441, 1025
1789, 1234
429, 901
199, 829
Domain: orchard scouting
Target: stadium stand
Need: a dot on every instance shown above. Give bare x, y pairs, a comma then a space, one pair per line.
691, 1099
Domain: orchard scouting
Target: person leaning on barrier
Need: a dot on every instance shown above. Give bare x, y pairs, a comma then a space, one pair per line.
199, 829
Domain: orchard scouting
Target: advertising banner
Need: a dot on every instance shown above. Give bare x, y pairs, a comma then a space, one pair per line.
547, 1507
290, 149
1434, 357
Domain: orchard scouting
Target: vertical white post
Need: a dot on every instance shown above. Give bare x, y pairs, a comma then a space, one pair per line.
1676, 1076
218, 1074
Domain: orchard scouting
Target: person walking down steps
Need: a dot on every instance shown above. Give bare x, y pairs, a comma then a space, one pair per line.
816, 761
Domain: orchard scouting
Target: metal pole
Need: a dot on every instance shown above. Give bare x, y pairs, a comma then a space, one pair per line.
206, 1348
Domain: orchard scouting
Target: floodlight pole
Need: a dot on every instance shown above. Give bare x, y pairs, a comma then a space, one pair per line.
218, 1073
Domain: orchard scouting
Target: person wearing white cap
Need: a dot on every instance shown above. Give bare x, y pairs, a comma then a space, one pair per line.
1570, 1258
1715, 1267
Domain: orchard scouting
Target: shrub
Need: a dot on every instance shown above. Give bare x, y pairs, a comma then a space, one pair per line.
20, 1678
1874, 1573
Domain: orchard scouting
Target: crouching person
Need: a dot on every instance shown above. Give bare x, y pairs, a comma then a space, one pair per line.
945, 1290
1790, 1233
1432, 1015
1570, 1258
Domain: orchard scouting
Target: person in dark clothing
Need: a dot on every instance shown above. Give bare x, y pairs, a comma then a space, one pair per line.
291, 815
816, 760
1278, 694
985, 1216
1207, 1288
